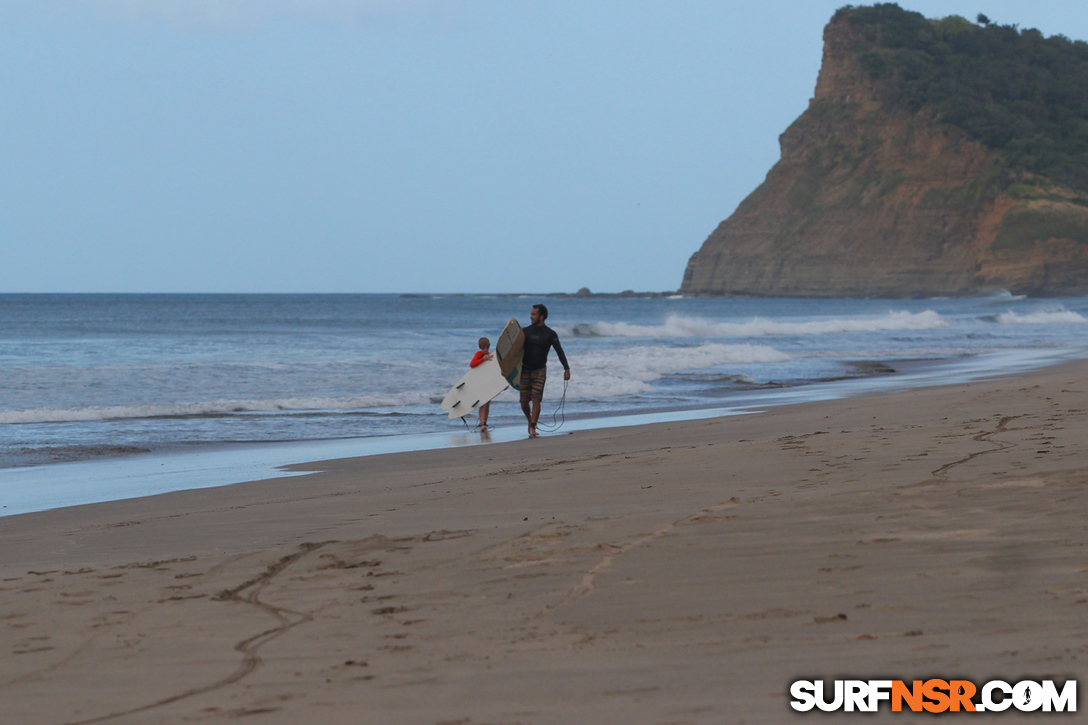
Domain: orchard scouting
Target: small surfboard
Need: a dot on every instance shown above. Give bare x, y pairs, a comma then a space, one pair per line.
478, 386
508, 349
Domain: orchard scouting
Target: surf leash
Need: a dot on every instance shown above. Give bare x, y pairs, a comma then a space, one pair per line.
560, 413
474, 428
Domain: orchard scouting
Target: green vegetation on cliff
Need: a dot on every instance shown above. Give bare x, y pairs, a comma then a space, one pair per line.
937, 157
1015, 91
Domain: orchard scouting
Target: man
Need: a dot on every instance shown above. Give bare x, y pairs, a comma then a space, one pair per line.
539, 339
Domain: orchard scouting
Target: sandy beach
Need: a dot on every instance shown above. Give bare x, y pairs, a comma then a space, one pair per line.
670, 573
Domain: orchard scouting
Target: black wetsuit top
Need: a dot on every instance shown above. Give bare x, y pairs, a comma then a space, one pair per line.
538, 340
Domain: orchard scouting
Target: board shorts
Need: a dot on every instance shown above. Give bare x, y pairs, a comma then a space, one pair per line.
532, 384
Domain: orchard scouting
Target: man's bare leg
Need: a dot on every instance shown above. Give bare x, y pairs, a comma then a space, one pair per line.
528, 415
534, 419
531, 415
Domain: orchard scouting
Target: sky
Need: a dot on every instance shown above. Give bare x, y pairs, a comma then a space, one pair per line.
397, 146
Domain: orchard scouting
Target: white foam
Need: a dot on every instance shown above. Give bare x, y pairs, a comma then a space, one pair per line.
605, 374
210, 408
1004, 294
679, 326
1043, 317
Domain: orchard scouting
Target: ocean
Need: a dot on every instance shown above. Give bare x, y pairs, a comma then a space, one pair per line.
102, 377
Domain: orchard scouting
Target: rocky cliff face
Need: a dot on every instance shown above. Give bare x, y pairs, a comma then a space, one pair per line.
869, 200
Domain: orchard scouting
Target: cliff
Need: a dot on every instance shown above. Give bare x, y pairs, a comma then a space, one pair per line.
919, 169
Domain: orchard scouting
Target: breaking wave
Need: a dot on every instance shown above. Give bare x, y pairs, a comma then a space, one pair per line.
211, 408
1044, 317
1004, 294
679, 326
607, 375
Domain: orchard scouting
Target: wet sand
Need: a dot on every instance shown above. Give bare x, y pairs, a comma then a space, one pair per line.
670, 573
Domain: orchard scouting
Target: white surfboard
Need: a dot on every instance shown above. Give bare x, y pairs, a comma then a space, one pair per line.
478, 386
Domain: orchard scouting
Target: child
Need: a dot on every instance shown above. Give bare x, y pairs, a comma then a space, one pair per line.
482, 355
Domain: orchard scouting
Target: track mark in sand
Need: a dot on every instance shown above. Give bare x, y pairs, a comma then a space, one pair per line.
588, 583
248, 592
981, 438
548, 464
